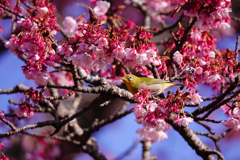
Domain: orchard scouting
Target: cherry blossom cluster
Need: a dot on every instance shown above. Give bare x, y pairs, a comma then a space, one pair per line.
215, 13
45, 148
154, 6
2, 147
33, 40
4, 3
101, 9
96, 47
152, 114
62, 78
205, 64
26, 110
233, 122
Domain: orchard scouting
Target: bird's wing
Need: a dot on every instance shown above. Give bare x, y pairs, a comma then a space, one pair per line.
156, 81
152, 87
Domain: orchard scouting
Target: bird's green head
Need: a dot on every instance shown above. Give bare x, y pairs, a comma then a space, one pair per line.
132, 82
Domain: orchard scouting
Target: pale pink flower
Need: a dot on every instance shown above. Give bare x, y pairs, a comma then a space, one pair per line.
62, 79
151, 54
102, 42
41, 78
211, 54
41, 11
83, 47
178, 57
30, 47
156, 62
131, 53
141, 59
232, 123
184, 121
162, 125
236, 111
64, 50
213, 78
196, 99
206, 74
26, 24
202, 62
12, 44
224, 25
98, 52
150, 134
119, 52
101, 8
86, 59
232, 76
70, 26
199, 70
139, 111
140, 2
225, 108
99, 64
151, 106
76, 59
196, 35
35, 57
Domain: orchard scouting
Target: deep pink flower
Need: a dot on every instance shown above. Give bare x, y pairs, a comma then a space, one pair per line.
24, 111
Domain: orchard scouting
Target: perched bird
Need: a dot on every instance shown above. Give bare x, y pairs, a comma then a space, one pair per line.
157, 86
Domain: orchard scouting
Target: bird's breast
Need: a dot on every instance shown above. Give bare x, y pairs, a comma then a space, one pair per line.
152, 87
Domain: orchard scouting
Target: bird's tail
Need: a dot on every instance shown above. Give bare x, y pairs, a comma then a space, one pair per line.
170, 84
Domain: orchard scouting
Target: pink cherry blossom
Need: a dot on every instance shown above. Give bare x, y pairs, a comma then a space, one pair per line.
211, 54
83, 47
119, 52
101, 42
226, 109
199, 70
139, 111
81, 59
42, 11
184, 121
2, 115
141, 59
196, 99
236, 111
178, 57
70, 26
4, 157
98, 52
41, 78
12, 44
24, 111
2, 147
151, 106
149, 134
64, 50
196, 35
232, 123
101, 8
213, 78
162, 125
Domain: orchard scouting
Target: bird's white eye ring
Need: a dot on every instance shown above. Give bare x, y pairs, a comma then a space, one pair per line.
130, 78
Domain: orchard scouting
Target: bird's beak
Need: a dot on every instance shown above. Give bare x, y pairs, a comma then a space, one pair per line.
124, 79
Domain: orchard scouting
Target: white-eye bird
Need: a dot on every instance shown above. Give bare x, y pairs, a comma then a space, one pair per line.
157, 86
